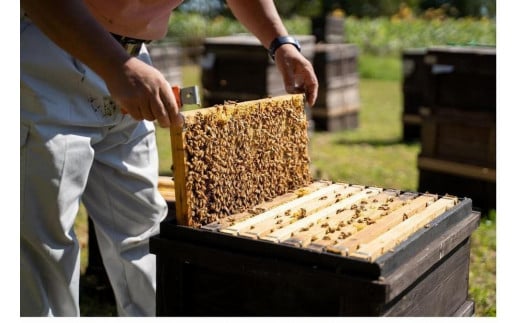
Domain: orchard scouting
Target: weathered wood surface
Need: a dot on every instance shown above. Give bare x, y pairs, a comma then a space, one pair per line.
167, 188
291, 209
386, 241
226, 222
348, 220
320, 216
338, 226
247, 280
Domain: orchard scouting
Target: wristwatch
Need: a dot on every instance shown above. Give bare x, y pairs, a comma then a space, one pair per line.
282, 40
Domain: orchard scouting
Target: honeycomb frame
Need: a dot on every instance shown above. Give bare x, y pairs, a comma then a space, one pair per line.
231, 157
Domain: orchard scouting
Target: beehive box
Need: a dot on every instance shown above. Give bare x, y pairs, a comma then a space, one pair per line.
238, 68
338, 103
301, 247
458, 154
415, 72
329, 29
327, 249
167, 58
446, 77
458, 136
461, 137
461, 77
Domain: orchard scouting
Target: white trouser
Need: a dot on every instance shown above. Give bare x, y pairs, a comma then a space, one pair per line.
75, 146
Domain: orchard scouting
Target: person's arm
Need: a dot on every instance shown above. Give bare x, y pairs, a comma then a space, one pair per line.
135, 86
261, 18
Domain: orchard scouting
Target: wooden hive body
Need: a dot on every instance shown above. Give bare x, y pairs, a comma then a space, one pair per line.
458, 123
300, 247
408, 255
338, 102
237, 67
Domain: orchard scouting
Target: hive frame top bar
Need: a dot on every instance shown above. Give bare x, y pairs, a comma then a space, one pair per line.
226, 109
351, 220
460, 214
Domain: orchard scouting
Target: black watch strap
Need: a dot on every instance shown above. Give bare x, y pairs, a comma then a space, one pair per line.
282, 40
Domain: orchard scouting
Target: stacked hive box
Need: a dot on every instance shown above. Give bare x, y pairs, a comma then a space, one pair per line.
230, 268
458, 140
329, 29
238, 68
338, 102
413, 88
335, 63
254, 235
167, 58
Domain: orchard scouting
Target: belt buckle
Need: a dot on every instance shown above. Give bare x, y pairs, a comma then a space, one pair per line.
133, 48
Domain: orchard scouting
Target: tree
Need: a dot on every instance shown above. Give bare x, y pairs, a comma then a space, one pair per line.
208, 8
462, 8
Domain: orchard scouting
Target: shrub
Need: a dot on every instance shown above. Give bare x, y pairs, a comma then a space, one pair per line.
375, 36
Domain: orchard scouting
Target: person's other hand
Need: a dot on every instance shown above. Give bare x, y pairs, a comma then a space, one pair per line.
297, 72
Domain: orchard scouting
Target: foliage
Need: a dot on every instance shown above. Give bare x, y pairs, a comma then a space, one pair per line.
207, 8
387, 36
190, 29
483, 266
359, 8
379, 36
462, 8
291, 8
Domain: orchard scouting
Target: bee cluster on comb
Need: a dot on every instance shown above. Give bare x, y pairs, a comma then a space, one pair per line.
230, 157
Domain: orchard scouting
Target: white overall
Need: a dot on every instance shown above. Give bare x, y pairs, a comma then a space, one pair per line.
75, 146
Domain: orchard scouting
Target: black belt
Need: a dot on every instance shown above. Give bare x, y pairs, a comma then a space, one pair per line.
131, 45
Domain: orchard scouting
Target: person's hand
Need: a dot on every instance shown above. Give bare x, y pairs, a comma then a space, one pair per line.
297, 72
142, 91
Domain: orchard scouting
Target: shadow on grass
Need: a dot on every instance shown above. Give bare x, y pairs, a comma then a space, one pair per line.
375, 143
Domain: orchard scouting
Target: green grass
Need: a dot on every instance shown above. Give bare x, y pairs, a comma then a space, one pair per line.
482, 276
372, 154
380, 68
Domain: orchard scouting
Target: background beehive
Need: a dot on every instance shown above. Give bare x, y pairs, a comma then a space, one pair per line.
167, 58
237, 67
230, 157
458, 123
413, 86
328, 29
338, 103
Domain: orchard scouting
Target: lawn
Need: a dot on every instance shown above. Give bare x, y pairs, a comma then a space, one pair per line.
372, 154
